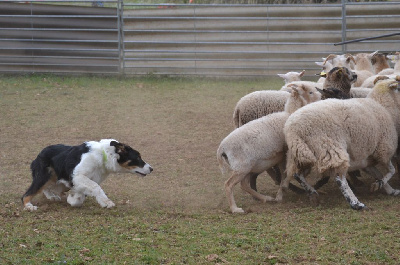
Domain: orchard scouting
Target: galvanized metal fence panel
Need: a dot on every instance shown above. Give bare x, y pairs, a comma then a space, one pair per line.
249, 40
58, 37
186, 39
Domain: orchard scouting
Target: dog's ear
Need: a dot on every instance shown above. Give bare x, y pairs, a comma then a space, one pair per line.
118, 146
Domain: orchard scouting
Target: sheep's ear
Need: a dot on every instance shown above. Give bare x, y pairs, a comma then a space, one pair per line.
302, 73
372, 54
322, 74
281, 75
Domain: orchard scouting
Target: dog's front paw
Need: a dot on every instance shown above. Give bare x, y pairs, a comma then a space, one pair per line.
106, 203
30, 207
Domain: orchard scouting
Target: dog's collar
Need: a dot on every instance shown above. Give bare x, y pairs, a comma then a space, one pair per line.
104, 156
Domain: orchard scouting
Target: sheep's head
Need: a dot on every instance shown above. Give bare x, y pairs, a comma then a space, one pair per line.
379, 58
300, 96
388, 85
292, 76
340, 75
394, 57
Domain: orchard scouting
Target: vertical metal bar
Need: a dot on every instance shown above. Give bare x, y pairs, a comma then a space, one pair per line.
123, 38
195, 39
119, 34
344, 26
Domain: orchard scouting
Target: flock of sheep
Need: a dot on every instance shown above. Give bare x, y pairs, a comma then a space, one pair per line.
347, 121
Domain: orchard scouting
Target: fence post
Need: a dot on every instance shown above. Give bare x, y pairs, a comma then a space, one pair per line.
344, 26
121, 48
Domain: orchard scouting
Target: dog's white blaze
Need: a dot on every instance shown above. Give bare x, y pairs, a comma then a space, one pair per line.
145, 170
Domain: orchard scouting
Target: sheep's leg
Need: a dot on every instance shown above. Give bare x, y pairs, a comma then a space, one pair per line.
384, 182
253, 181
354, 175
246, 187
283, 187
321, 182
229, 184
275, 174
348, 193
312, 193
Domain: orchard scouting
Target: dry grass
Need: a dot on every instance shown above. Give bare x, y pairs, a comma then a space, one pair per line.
179, 213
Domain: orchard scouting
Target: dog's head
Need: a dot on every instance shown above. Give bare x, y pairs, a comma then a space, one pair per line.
130, 159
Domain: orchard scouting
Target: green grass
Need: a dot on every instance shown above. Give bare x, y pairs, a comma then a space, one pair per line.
179, 213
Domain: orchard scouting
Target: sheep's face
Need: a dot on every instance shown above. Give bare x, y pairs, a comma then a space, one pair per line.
341, 74
388, 85
378, 58
306, 94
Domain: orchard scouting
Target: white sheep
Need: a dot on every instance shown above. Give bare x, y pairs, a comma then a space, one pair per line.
292, 76
336, 136
258, 146
258, 104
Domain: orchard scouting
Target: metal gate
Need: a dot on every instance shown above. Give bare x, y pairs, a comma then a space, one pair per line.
115, 37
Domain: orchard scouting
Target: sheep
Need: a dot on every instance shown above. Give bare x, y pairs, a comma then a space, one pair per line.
396, 69
261, 103
287, 87
292, 76
258, 146
258, 104
389, 72
326, 67
343, 60
363, 67
379, 62
335, 136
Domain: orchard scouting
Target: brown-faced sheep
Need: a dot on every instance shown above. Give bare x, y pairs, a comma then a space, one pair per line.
336, 136
257, 146
379, 62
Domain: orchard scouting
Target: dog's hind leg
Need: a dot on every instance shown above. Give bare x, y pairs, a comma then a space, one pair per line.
85, 186
55, 190
41, 175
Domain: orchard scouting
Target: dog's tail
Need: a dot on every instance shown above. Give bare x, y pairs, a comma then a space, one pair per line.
40, 176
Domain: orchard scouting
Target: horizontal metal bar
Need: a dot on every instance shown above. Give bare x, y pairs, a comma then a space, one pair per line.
49, 64
59, 57
231, 5
58, 16
226, 31
58, 49
227, 42
226, 52
58, 29
60, 40
61, 1
230, 18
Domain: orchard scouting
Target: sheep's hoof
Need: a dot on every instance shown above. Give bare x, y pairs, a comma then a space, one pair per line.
314, 199
359, 206
376, 186
237, 210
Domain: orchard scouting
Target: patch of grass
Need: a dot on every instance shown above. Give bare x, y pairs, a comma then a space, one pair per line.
179, 213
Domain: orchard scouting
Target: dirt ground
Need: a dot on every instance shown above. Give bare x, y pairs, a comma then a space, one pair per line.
176, 124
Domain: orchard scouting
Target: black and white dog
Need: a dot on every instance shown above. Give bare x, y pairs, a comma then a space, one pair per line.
80, 169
